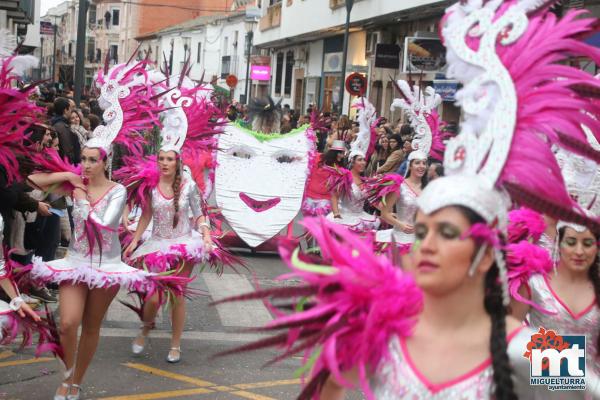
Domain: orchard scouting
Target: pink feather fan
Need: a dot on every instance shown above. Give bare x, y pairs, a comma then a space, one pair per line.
350, 304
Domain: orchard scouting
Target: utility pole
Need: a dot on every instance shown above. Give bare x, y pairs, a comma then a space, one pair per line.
80, 53
349, 5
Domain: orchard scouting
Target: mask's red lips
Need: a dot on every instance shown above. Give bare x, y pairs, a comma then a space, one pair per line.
259, 205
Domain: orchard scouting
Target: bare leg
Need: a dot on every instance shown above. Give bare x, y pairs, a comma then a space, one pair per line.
178, 311
96, 305
150, 310
70, 308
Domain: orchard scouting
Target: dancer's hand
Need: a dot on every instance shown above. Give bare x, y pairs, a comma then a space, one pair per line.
407, 228
131, 248
25, 310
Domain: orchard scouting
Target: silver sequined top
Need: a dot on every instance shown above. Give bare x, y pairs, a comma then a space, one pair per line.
399, 378
587, 322
106, 212
354, 203
163, 211
406, 210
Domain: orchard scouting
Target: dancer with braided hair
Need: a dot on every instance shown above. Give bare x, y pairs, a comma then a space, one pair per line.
168, 208
170, 198
361, 321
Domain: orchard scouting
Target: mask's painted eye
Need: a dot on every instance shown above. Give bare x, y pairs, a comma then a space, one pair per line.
287, 158
241, 152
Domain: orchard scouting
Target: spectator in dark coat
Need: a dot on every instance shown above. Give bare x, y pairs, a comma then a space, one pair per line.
67, 140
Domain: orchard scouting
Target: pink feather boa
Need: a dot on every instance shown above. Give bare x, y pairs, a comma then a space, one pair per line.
523, 260
379, 187
525, 224
340, 180
358, 301
140, 175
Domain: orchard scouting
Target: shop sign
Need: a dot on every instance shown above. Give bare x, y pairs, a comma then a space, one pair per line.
260, 72
446, 89
387, 56
423, 55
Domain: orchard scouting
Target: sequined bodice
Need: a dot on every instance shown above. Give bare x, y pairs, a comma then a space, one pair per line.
163, 211
355, 202
105, 212
586, 323
399, 379
406, 205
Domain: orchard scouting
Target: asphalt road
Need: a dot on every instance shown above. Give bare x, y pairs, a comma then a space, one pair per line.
116, 374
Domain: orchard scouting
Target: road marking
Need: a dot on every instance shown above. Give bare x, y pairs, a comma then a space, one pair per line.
189, 335
206, 386
240, 314
6, 354
170, 375
160, 395
25, 362
267, 384
252, 396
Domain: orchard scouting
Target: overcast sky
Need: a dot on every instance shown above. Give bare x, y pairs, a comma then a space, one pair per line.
46, 4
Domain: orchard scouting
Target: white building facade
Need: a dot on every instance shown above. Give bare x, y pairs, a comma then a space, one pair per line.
215, 46
304, 41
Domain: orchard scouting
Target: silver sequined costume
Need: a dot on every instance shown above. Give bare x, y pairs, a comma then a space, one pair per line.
352, 212
98, 270
181, 240
406, 209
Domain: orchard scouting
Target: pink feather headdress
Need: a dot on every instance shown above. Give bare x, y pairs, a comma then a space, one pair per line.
520, 97
420, 108
129, 97
17, 114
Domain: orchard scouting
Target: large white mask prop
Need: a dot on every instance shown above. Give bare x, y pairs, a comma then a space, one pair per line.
260, 180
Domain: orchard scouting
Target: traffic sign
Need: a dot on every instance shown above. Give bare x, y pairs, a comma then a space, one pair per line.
356, 84
231, 81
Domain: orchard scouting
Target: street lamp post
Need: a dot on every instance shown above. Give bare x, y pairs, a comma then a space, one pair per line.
80, 51
349, 5
54, 53
249, 24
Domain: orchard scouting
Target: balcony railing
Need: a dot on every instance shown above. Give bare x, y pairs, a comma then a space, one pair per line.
272, 19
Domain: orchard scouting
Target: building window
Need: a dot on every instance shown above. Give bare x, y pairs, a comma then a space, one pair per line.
115, 17
114, 53
226, 46
156, 56
91, 49
225, 66
278, 74
70, 49
92, 14
98, 55
199, 55
289, 69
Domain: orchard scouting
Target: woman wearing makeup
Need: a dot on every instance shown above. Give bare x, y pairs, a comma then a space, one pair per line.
181, 236
91, 274
569, 298
356, 323
399, 204
348, 186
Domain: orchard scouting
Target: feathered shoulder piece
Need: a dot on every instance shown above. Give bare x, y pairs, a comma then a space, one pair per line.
129, 98
520, 96
139, 175
17, 111
421, 109
378, 187
339, 180
525, 224
350, 303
